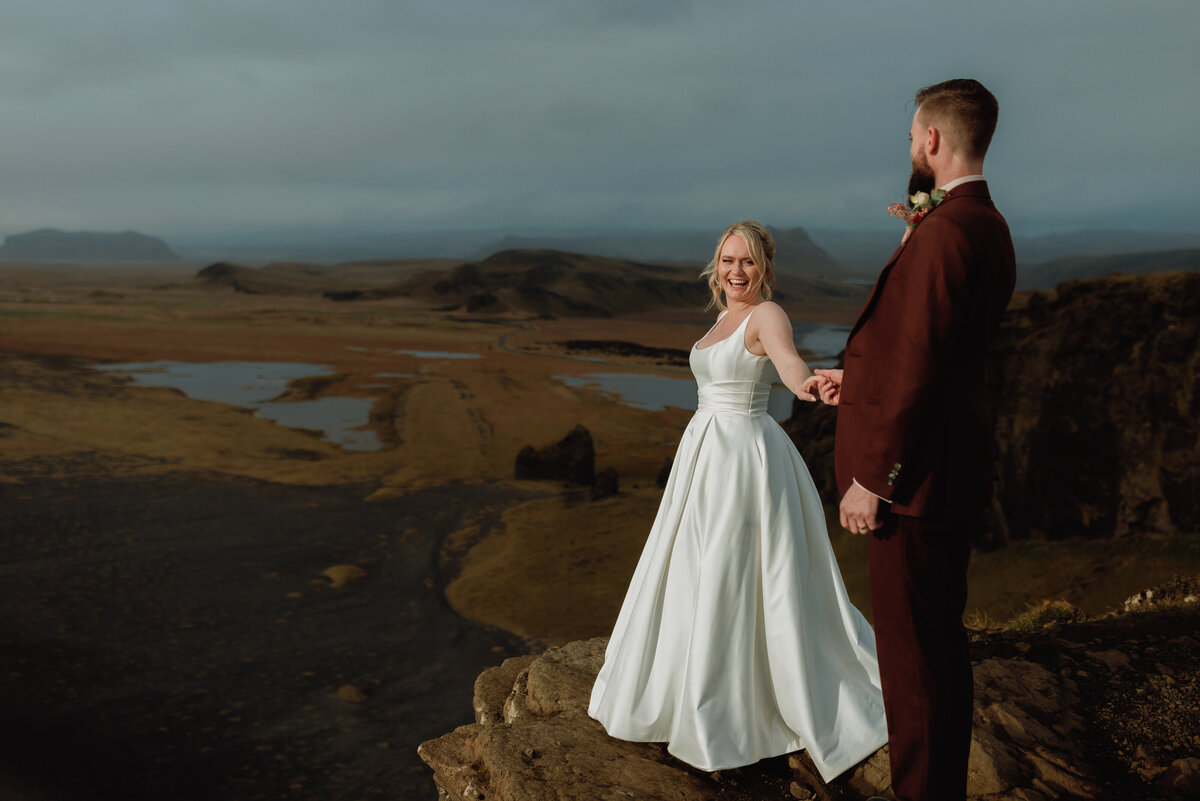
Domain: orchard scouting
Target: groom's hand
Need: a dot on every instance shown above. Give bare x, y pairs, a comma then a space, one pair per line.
829, 385
859, 511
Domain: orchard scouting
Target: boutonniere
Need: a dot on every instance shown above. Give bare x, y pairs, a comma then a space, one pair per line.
920, 204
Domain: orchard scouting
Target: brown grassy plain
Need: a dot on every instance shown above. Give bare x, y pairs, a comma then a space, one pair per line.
549, 569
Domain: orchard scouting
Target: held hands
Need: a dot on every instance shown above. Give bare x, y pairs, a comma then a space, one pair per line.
827, 383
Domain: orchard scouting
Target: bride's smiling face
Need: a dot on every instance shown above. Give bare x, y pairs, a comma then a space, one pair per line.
739, 275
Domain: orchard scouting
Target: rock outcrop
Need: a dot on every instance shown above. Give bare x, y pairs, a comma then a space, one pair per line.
1096, 391
1097, 709
1097, 398
573, 459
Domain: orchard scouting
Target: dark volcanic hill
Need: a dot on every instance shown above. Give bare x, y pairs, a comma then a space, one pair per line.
300, 278
1052, 273
51, 244
263, 281
571, 285
537, 282
549, 282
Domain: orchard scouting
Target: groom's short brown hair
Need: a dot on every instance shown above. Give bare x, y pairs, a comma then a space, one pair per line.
965, 106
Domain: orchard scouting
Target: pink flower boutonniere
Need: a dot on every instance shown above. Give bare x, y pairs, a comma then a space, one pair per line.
920, 204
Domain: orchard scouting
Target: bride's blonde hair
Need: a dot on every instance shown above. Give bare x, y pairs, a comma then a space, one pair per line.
762, 249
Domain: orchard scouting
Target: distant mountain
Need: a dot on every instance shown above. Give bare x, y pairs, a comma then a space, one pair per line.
796, 253
51, 244
1053, 273
866, 250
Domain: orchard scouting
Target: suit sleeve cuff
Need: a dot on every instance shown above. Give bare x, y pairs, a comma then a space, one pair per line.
876, 494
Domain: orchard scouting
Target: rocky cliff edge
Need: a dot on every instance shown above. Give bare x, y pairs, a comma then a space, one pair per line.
1064, 708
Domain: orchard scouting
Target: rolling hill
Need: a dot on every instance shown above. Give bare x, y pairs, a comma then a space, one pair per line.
538, 282
302, 278
573, 285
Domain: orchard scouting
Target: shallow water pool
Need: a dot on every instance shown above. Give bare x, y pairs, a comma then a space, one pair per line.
255, 385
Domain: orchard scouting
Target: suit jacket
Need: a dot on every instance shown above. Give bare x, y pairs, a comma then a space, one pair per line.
914, 424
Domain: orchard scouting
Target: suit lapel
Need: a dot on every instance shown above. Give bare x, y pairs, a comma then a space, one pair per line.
969, 189
870, 304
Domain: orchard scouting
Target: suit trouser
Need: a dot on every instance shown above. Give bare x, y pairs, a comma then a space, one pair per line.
918, 594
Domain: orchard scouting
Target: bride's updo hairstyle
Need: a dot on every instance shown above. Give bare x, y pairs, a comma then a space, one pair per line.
762, 249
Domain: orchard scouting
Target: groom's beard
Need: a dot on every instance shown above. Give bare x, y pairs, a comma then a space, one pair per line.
921, 179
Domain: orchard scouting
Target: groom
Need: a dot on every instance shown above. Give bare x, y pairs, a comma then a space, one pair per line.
914, 438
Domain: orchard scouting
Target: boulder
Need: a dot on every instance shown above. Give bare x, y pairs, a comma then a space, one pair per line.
537, 743
570, 459
1181, 780
606, 484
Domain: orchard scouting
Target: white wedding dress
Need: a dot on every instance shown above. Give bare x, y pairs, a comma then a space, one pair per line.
736, 640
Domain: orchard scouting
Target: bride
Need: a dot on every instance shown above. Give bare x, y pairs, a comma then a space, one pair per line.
736, 640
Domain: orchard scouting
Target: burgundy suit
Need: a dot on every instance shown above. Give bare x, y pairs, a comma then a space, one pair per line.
914, 427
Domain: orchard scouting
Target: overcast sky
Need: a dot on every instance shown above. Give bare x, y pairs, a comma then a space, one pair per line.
219, 118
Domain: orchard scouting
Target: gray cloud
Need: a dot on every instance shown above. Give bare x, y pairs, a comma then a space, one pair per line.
194, 120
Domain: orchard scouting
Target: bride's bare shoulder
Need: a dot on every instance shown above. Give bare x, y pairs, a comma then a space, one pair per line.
769, 312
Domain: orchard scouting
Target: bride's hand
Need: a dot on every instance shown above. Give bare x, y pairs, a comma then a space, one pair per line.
806, 389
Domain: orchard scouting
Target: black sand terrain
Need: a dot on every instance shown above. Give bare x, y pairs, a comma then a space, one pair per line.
174, 637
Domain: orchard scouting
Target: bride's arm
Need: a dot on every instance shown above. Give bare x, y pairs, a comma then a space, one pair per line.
773, 332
